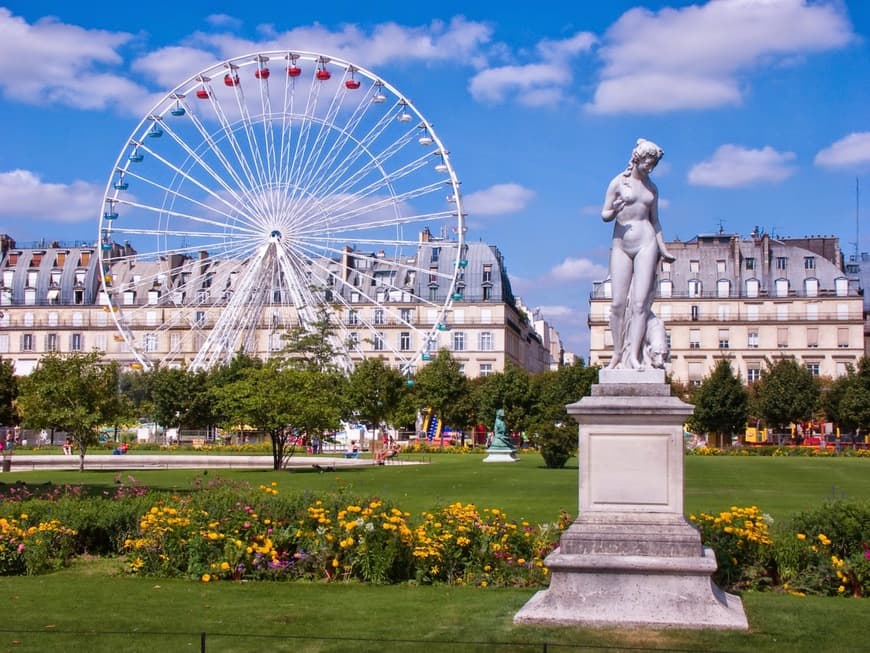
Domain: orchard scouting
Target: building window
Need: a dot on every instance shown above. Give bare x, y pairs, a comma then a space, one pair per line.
723, 288
354, 297
174, 342
458, 341
812, 338
484, 339
50, 342
843, 338
753, 374
150, 342
433, 274
841, 286
378, 342
665, 312
842, 311
813, 368
608, 338
696, 372
458, 316
752, 287
666, 266
352, 317
405, 341
782, 312
485, 316
436, 254
782, 287
750, 263
75, 342
4, 343
433, 294
694, 288
752, 340
782, 263
667, 339
485, 369
752, 312
487, 293
30, 296
487, 273
724, 312
26, 342
782, 338
52, 319
809, 262
276, 342
724, 339
720, 266
405, 315
694, 266
666, 288
811, 287
129, 297
353, 340
812, 312
379, 316
694, 338
695, 312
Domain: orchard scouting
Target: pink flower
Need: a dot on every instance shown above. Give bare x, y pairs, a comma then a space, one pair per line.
867, 554
21, 548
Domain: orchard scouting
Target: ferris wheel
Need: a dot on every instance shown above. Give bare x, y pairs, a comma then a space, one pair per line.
273, 191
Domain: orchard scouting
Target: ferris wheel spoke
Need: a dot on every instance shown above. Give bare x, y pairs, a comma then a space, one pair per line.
248, 127
240, 201
164, 213
214, 147
300, 152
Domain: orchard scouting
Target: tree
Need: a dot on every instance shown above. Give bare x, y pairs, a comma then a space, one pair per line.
509, 390
8, 393
441, 386
281, 401
721, 404
375, 390
553, 390
847, 400
313, 345
76, 393
786, 393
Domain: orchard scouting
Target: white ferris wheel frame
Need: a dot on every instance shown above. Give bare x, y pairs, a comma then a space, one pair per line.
243, 179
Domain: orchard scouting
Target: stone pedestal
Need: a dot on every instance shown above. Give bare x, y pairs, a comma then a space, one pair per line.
500, 455
631, 558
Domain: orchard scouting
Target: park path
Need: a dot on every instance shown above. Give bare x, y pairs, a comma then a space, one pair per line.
28, 463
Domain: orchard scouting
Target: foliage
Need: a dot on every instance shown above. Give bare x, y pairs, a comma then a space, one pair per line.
826, 550
557, 442
76, 393
786, 393
740, 537
180, 397
847, 400
508, 390
284, 402
442, 386
313, 346
30, 547
8, 392
374, 390
721, 404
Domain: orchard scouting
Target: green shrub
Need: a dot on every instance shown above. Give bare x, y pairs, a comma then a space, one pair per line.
557, 442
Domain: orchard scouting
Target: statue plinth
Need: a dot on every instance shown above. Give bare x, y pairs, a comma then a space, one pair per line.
631, 558
501, 455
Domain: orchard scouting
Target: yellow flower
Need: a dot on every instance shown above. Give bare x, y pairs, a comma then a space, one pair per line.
206, 578
225, 565
801, 536
841, 589
483, 583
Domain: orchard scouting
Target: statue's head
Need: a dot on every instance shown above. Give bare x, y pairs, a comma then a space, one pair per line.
499, 412
646, 151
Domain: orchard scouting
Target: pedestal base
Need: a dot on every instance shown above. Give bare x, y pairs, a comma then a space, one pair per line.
633, 591
501, 456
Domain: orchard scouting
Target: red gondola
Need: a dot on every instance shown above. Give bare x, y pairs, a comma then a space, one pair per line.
323, 74
231, 80
202, 94
294, 71
261, 73
352, 84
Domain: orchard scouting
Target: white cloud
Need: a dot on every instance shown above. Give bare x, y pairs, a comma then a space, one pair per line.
693, 57
848, 151
224, 20
575, 269
24, 195
537, 83
66, 64
498, 200
557, 310
732, 166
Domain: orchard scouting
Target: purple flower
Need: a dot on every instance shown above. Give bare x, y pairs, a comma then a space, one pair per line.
867, 554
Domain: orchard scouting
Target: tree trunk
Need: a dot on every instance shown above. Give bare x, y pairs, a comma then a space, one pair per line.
81, 458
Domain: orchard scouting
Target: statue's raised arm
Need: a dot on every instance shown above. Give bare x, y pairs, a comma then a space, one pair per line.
631, 202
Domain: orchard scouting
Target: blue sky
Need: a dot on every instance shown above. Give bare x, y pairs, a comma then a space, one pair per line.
761, 106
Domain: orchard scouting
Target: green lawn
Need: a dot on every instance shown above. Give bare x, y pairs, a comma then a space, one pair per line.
58, 612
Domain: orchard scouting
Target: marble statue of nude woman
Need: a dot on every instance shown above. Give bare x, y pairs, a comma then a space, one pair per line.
632, 203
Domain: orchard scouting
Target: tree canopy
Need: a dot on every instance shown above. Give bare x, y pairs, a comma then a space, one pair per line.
721, 404
786, 393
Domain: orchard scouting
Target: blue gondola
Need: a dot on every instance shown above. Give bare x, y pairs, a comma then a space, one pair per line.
155, 132
110, 215
121, 185
177, 111
136, 157
426, 357
457, 296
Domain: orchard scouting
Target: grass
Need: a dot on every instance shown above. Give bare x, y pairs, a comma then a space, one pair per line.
62, 611
90, 608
